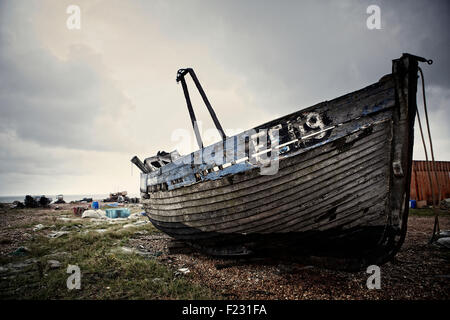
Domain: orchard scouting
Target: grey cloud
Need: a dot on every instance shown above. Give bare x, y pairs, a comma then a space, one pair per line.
286, 55
51, 101
296, 53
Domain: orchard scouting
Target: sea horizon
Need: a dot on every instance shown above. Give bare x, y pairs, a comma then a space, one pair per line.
66, 197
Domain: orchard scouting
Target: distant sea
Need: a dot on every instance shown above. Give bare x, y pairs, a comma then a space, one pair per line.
67, 198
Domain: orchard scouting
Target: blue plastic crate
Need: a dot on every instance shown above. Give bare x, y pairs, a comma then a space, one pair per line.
117, 213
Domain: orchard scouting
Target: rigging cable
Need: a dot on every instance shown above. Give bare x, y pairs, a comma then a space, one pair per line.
436, 229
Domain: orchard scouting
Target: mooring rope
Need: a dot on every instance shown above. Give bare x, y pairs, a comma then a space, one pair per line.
436, 212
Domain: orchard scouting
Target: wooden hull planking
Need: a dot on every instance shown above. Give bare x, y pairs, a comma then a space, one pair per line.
341, 187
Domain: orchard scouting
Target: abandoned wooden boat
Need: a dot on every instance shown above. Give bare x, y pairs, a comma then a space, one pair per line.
329, 180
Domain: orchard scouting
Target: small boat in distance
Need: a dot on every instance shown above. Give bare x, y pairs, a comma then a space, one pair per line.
329, 180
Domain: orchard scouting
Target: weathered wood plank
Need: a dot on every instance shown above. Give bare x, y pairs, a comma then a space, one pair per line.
336, 112
298, 202
313, 204
248, 198
287, 178
205, 188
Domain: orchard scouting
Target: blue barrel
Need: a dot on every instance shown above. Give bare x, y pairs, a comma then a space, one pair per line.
95, 205
412, 204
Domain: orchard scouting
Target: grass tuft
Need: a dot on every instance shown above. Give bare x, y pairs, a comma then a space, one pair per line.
105, 273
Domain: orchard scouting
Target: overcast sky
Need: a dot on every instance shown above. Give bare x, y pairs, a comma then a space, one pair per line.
76, 105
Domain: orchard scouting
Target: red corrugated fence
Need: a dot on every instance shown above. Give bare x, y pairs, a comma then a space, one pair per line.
420, 185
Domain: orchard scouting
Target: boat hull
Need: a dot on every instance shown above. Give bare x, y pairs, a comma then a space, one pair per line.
335, 188
343, 193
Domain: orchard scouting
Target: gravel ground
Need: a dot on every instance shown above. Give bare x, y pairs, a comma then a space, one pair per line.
15, 228
419, 271
16, 225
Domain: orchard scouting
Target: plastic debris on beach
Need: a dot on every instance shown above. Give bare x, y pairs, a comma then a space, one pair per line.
38, 227
98, 214
118, 213
21, 251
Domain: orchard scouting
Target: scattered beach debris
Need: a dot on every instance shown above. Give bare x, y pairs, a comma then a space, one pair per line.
115, 204
134, 216
445, 204
37, 201
18, 266
53, 264
115, 221
421, 204
84, 200
139, 251
44, 201
182, 271
135, 224
20, 251
100, 230
72, 227
18, 205
141, 232
117, 197
30, 202
38, 227
120, 197
123, 249
78, 211
28, 236
98, 214
118, 213
444, 233
444, 242
57, 254
70, 219
57, 234
59, 199
303, 282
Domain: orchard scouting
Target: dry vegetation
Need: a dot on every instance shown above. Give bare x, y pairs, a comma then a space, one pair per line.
134, 263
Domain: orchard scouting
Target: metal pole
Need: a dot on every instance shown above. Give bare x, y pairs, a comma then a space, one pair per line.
191, 113
208, 104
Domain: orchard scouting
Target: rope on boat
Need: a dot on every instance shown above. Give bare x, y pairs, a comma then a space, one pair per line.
436, 229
